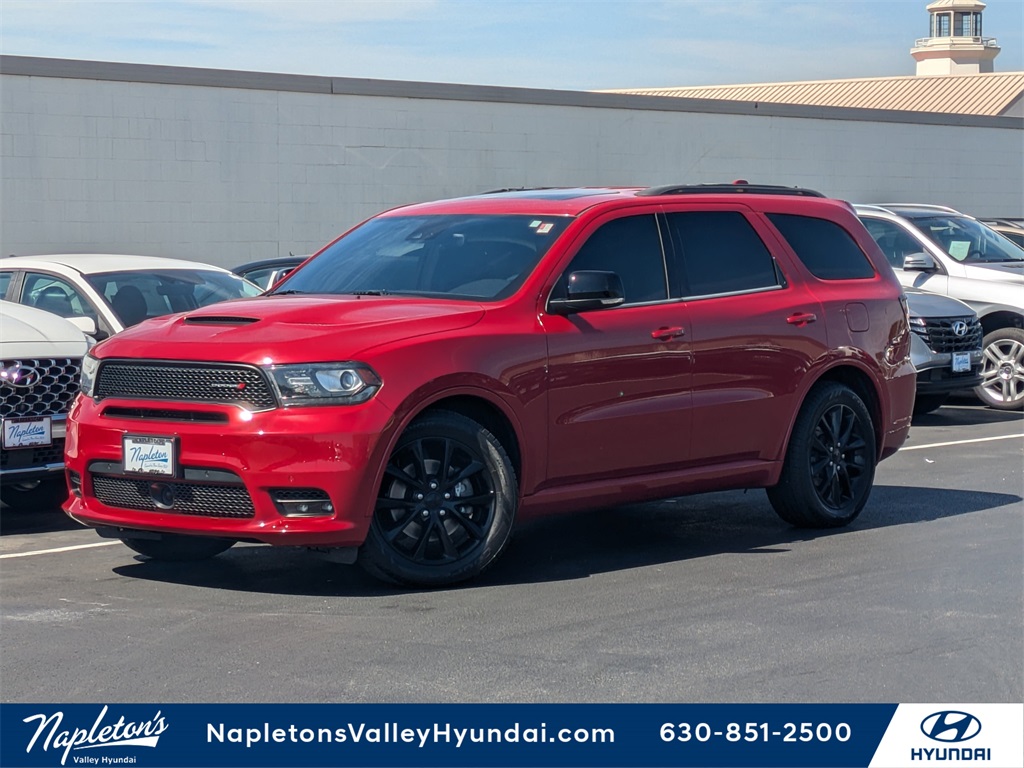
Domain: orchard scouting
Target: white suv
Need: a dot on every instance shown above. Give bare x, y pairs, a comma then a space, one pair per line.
40, 363
941, 250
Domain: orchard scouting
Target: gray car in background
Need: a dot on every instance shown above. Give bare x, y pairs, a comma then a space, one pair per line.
941, 250
945, 347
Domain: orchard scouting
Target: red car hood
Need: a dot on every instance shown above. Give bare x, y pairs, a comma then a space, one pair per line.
289, 329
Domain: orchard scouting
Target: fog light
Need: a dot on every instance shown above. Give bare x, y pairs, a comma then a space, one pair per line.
302, 502
75, 483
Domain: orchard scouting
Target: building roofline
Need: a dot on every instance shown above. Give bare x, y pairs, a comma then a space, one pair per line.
31, 66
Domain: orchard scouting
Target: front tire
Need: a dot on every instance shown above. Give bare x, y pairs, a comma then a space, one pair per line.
445, 506
830, 462
178, 548
1002, 370
928, 403
40, 495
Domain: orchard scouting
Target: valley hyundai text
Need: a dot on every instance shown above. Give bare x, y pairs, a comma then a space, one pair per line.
445, 368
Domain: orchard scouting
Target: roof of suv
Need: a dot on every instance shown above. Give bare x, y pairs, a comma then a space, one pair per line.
570, 201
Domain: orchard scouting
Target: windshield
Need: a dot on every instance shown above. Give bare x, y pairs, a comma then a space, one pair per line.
471, 256
137, 296
966, 240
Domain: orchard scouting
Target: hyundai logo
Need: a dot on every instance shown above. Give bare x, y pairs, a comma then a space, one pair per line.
951, 726
960, 328
19, 376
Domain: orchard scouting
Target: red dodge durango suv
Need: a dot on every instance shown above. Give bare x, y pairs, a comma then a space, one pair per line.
444, 369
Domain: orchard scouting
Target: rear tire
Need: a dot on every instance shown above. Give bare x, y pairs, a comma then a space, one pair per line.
1002, 370
445, 506
928, 403
178, 548
830, 462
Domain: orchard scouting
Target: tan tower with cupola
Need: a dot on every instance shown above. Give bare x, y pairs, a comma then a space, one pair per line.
956, 45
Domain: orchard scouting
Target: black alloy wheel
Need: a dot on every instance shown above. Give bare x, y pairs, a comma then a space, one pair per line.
830, 462
445, 507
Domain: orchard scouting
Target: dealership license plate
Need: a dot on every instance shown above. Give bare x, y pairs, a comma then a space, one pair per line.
27, 432
148, 455
961, 362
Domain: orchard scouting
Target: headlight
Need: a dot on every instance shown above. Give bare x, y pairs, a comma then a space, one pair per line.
324, 383
87, 383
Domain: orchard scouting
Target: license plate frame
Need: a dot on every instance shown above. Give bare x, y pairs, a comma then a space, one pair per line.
961, 362
27, 432
149, 455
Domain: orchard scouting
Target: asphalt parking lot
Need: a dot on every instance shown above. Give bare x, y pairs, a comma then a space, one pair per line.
706, 599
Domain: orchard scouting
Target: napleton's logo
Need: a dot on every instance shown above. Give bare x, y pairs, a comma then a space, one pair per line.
951, 726
144, 733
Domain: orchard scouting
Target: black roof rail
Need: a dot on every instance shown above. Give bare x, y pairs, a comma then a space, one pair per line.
515, 189
736, 187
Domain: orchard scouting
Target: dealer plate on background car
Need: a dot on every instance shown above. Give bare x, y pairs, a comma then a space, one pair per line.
27, 432
961, 362
148, 455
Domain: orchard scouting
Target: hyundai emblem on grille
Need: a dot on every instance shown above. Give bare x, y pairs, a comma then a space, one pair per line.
960, 328
19, 376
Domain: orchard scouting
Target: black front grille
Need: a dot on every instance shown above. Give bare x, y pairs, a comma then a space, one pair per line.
218, 383
940, 337
53, 385
32, 458
189, 498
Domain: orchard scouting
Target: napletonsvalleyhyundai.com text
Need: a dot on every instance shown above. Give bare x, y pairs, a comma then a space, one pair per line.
393, 733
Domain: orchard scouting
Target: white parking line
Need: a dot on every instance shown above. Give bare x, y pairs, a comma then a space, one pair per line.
961, 442
59, 549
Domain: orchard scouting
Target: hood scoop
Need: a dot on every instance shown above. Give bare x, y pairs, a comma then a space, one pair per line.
219, 320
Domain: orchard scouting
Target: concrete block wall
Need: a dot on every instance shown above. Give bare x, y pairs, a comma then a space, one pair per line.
227, 167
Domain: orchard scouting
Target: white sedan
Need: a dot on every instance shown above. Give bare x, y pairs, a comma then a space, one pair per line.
116, 291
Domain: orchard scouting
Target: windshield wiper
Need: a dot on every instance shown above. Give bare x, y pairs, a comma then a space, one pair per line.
381, 292
286, 293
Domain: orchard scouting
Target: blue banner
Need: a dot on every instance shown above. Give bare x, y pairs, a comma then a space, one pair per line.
533, 735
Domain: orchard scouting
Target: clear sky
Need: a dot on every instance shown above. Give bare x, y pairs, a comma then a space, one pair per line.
564, 44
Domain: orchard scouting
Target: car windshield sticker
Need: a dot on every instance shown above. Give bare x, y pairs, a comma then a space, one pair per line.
534, 224
544, 228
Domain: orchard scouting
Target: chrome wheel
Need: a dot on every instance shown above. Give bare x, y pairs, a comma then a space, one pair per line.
1002, 370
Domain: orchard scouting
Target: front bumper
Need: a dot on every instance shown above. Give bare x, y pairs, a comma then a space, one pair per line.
230, 465
37, 462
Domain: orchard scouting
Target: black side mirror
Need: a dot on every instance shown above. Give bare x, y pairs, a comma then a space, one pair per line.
587, 290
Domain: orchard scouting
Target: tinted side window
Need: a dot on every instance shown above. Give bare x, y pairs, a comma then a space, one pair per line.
630, 247
5, 282
825, 248
721, 253
896, 243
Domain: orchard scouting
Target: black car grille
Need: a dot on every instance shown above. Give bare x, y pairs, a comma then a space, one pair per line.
32, 458
188, 498
228, 384
940, 337
54, 384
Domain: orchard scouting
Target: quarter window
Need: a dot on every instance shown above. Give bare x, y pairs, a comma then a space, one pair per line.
721, 253
629, 247
825, 248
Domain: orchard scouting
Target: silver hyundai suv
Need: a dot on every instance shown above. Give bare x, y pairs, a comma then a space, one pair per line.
941, 250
